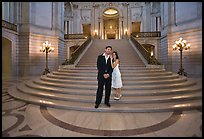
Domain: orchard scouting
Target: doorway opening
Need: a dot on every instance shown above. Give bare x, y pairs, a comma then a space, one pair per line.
136, 26
111, 24
86, 29
6, 58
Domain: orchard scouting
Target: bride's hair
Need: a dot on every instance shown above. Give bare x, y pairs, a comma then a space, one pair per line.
117, 57
116, 53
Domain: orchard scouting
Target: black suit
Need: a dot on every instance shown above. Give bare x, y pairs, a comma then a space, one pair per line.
103, 68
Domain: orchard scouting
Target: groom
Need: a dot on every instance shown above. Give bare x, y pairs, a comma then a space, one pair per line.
104, 77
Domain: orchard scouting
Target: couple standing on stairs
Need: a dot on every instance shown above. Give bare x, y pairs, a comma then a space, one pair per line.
108, 75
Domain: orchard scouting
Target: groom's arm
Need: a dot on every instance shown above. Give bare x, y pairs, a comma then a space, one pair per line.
110, 70
99, 65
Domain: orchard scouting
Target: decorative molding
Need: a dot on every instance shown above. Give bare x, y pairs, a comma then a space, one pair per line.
136, 13
75, 6
85, 15
9, 25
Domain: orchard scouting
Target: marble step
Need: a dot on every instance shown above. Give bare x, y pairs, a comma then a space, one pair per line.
39, 83
116, 107
125, 98
122, 65
127, 74
125, 63
125, 66
124, 60
125, 82
95, 68
76, 69
122, 71
141, 78
187, 89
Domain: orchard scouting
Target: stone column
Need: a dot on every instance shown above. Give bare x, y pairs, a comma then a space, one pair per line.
68, 52
71, 26
121, 30
99, 28
65, 27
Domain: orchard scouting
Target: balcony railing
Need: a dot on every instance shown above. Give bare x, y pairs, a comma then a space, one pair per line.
146, 34
9, 25
74, 36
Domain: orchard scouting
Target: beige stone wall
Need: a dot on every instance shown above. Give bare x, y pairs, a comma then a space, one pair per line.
192, 58
42, 22
179, 22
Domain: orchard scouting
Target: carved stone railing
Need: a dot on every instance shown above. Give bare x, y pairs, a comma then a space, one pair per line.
74, 36
77, 52
146, 54
146, 34
9, 25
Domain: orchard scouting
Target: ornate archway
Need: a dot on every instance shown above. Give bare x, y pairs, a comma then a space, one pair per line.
111, 23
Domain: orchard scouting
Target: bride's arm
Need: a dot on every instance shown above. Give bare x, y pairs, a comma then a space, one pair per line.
114, 64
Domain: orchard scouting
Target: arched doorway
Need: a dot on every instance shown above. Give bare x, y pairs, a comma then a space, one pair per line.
150, 48
110, 24
6, 58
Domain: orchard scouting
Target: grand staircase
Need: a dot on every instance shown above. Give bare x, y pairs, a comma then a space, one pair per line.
146, 88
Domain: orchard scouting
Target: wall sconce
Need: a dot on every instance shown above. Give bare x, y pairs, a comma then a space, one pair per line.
152, 53
111, 27
47, 49
181, 45
96, 32
125, 31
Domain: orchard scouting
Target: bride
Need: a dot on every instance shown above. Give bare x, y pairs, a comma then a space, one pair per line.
116, 75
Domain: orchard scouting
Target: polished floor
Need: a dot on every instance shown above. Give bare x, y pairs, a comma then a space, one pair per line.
21, 119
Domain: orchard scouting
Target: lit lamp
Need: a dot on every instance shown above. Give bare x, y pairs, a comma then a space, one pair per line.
47, 49
96, 32
152, 53
181, 45
125, 31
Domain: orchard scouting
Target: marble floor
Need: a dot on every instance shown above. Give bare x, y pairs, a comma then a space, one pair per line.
21, 119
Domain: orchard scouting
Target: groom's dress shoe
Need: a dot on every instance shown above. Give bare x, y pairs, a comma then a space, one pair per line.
96, 106
108, 104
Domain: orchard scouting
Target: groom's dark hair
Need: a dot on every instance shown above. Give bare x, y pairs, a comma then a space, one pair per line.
109, 47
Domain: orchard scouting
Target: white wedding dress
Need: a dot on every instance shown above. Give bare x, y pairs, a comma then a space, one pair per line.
116, 78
